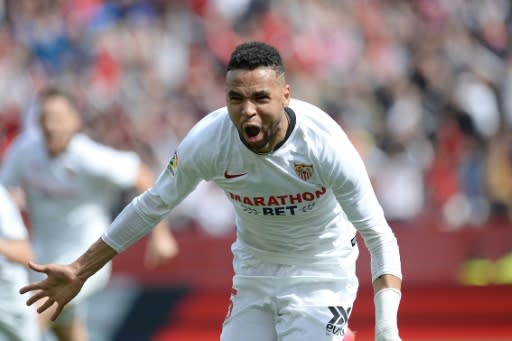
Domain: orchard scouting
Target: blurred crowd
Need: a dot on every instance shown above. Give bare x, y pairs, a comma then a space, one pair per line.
422, 87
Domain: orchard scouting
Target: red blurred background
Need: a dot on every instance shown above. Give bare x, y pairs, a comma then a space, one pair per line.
443, 297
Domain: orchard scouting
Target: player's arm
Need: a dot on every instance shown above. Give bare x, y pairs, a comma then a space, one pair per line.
162, 246
387, 289
386, 268
355, 194
16, 250
138, 218
387, 281
63, 282
15, 246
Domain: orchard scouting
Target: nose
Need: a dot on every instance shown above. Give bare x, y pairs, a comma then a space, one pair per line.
50, 128
248, 108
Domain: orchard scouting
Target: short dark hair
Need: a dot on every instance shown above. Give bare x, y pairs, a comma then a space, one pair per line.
254, 54
53, 91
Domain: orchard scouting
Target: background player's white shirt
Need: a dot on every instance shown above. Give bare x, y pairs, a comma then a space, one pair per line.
16, 319
296, 205
68, 196
12, 275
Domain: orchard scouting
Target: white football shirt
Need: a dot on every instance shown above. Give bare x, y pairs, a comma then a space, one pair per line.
12, 275
69, 196
15, 317
300, 204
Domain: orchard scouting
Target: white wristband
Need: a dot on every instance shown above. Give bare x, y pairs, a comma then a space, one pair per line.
386, 303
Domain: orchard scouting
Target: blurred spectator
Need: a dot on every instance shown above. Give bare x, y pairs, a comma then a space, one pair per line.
402, 73
498, 171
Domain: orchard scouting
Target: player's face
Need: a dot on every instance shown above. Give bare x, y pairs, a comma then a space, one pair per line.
59, 123
256, 100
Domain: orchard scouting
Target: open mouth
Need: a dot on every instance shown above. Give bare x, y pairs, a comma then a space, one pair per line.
252, 131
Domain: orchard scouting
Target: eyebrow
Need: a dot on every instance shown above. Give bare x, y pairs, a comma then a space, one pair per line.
234, 93
259, 93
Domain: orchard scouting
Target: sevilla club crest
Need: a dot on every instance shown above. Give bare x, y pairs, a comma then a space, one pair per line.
304, 170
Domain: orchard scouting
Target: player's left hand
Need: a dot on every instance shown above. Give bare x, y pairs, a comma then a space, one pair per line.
161, 248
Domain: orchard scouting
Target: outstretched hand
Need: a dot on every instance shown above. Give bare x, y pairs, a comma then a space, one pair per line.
60, 286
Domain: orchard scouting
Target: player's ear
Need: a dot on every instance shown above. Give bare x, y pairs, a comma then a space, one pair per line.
286, 95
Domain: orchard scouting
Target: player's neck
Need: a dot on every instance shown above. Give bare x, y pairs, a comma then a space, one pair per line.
282, 133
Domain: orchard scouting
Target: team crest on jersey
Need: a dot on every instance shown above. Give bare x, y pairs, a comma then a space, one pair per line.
304, 170
173, 164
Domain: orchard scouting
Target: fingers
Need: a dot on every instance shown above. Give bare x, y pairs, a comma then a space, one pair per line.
57, 312
37, 267
37, 285
32, 287
27, 288
36, 297
49, 302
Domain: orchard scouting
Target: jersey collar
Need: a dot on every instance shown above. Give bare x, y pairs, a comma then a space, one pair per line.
292, 119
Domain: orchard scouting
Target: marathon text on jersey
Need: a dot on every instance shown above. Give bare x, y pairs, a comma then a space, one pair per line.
278, 200
279, 204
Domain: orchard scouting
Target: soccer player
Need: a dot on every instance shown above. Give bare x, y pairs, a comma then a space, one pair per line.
301, 193
69, 182
17, 321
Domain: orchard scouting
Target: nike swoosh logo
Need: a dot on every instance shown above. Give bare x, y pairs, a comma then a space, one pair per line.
232, 176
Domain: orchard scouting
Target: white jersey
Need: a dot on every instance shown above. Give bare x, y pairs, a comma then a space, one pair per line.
300, 204
12, 275
69, 196
16, 319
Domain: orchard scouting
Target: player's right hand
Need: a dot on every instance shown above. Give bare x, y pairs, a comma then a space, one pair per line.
60, 286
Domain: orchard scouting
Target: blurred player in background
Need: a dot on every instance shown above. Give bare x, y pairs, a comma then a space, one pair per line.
301, 193
70, 182
17, 321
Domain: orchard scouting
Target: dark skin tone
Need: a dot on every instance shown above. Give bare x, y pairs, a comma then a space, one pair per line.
256, 100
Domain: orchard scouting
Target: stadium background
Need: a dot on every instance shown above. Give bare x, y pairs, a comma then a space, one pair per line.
422, 87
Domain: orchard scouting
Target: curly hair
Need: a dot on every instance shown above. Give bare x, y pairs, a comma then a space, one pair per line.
251, 55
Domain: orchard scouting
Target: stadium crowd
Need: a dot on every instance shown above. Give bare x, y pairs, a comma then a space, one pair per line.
422, 87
